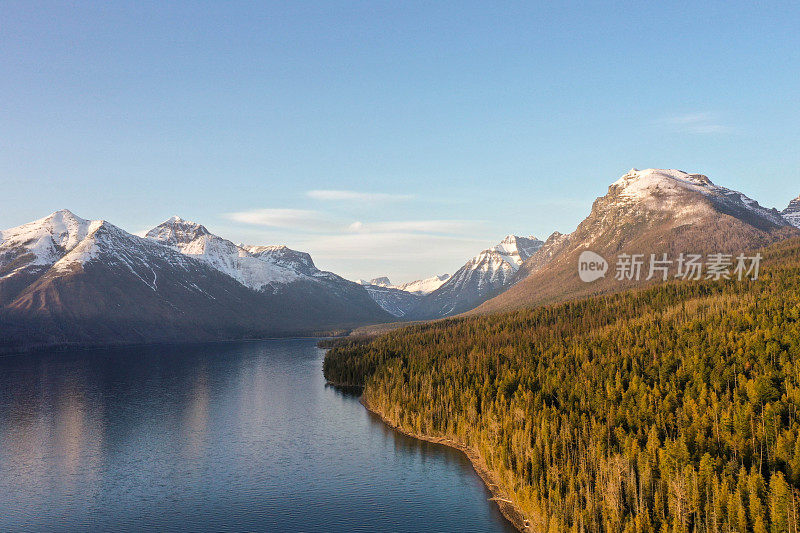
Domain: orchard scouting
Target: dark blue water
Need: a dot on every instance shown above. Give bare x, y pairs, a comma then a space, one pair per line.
225, 437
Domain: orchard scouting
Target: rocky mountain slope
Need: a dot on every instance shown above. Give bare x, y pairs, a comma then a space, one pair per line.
651, 211
66, 280
398, 300
792, 213
424, 286
394, 301
261, 268
482, 277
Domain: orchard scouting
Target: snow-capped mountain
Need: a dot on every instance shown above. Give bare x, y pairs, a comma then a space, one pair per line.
661, 188
256, 267
420, 286
63, 243
792, 213
382, 281
424, 286
400, 299
66, 280
38, 245
482, 277
650, 211
394, 301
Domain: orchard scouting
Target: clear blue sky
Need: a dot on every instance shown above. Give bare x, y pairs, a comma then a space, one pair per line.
443, 126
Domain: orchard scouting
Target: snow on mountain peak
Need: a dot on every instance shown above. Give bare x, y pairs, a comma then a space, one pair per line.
792, 213
44, 241
483, 275
640, 183
518, 248
420, 286
177, 232
424, 286
382, 281
280, 253
510, 253
658, 187
253, 266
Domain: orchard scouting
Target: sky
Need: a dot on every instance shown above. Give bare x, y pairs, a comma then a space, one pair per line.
386, 138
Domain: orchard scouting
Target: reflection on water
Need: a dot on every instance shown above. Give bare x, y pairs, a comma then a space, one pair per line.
242, 436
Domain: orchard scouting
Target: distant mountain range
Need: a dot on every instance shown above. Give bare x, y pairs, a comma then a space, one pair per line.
400, 300
422, 286
66, 280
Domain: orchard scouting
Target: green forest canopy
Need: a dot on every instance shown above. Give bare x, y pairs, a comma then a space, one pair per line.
673, 408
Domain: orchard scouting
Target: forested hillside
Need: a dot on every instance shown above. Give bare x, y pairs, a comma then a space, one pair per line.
673, 408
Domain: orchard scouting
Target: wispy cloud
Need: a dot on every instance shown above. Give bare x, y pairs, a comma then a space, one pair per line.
300, 219
414, 226
306, 220
698, 123
337, 195
395, 246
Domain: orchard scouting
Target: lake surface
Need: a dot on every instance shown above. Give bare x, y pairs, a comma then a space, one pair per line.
223, 437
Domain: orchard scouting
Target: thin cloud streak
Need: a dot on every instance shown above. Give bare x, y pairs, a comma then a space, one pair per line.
339, 195
298, 219
697, 123
394, 246
321, 222
414, 226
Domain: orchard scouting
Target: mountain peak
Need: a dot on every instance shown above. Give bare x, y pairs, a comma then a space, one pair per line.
177, 231
63, 218
648, 177
516, 249
382, 281
282, 254
424, 286
687, 195
481, 277
514, 239
792, 213
63, 213
46, 241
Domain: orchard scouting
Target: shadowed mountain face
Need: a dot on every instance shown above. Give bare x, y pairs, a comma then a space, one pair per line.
400, 300
396, 302
65, 280
645, 212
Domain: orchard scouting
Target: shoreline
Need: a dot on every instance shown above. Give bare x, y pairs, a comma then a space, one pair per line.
507, 507
85, 347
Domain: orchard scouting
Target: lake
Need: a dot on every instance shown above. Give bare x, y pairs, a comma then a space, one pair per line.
219, 437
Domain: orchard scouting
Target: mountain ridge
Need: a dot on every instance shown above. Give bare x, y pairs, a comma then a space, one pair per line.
650, 211
792, 213
482, 277
66, 280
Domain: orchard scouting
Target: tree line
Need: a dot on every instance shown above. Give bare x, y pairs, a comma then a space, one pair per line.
669, 409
